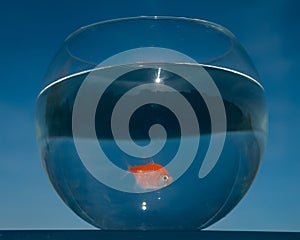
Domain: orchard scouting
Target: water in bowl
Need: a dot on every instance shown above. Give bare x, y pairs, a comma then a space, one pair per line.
109, 196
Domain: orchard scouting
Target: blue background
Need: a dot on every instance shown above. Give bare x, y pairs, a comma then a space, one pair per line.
32, 31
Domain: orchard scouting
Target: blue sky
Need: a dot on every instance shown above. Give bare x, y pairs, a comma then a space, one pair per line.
31, 33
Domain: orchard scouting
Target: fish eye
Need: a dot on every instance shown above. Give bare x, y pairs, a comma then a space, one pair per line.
164, 178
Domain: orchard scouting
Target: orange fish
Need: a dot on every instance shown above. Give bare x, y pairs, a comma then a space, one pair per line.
151, 176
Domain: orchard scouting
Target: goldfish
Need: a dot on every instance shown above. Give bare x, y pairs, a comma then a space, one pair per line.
151, 176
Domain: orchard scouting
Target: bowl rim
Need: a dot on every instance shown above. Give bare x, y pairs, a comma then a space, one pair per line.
210, 24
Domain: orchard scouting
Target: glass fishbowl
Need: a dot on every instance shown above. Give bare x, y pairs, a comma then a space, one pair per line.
149, 123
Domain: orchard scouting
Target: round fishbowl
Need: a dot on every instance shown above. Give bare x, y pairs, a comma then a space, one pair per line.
149, 123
